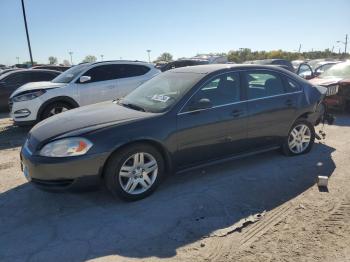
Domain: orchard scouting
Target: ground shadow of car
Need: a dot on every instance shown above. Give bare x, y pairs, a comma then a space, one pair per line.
12, 136
60, 227
342, 119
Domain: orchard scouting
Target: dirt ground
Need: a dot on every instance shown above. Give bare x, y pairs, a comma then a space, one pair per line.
197, 216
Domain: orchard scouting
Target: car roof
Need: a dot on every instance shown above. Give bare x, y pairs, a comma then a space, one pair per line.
136, 62
210, 68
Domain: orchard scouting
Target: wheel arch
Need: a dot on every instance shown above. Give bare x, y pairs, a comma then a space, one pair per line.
64, 99
156, 144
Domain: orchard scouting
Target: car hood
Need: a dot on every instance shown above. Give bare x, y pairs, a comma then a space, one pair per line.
84, 119
325, 81
36, 86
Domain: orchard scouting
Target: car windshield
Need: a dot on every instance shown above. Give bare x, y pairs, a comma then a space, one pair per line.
70, 74
161, 92
338, 70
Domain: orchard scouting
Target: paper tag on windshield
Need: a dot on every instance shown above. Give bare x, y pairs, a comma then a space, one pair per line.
160, 98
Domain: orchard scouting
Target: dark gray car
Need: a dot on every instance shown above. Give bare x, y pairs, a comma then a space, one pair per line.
180, 119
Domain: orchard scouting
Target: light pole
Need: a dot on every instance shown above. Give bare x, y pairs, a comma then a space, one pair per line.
101, 57
149, 55
344, 43
26, 26
71, 57
17, 57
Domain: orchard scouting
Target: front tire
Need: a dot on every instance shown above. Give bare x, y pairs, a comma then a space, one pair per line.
54, 109
134, 172
300, 139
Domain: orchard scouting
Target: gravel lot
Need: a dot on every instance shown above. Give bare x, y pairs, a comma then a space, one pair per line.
192, 216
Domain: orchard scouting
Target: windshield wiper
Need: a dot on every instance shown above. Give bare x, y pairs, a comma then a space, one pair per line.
133, 106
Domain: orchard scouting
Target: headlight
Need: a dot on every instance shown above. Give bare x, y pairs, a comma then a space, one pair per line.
28, 96
74, 146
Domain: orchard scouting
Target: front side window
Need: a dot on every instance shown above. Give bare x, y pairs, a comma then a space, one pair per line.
263, 84
221, 90
16, 79
103, 73
40, 76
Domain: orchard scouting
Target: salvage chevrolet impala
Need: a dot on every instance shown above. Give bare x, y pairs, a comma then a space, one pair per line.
181, 119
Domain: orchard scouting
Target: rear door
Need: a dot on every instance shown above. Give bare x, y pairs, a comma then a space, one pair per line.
101, 87
130, 77
214, 132
271, 107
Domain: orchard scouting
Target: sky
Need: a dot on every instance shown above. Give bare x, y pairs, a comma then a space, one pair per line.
127, 28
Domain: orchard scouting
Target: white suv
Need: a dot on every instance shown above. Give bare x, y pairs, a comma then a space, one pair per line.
80, 85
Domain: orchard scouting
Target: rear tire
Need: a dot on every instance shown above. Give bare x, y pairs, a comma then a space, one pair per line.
134, 172
54, 109
300, 139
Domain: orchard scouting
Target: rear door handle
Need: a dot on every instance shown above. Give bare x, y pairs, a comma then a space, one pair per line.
236, 113
289, 102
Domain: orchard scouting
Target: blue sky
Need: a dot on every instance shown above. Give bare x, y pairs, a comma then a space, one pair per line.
127, 28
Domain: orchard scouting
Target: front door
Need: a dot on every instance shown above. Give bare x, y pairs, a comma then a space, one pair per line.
216, 131
101, 87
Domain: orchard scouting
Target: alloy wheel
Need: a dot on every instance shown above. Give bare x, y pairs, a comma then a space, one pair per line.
299, 138
138, 173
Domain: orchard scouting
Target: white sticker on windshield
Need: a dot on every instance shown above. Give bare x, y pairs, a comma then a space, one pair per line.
160, 98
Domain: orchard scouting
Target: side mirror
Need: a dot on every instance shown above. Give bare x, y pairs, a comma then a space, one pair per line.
84, 79
203, 103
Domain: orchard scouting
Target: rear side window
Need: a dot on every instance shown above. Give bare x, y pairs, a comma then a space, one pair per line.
132, 70
262, 84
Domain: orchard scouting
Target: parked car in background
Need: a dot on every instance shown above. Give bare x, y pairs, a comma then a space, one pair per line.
13, 79
337, 81
4, 71
180, 119
80, 85
52, 67
278, 62
183, 63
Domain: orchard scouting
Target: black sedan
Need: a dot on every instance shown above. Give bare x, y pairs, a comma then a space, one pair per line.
181, 119
12, 80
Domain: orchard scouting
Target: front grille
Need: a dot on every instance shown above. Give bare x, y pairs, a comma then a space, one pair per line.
332, 90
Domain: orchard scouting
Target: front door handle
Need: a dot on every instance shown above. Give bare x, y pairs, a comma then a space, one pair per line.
289, 102
236, 113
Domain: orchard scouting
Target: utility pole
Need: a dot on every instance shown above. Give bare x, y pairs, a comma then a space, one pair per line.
344, 43
149, 55
299, 48
71, 57
26, 26
17, 57
101, 57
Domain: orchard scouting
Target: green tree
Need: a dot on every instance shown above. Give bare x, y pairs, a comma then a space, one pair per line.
165, 57
89, 59
52, 60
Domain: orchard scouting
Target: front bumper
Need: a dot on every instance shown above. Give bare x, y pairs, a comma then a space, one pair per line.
62, 173
25, 112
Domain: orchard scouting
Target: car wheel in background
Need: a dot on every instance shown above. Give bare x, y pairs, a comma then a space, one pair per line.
300, 138
134, 172
54, 109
